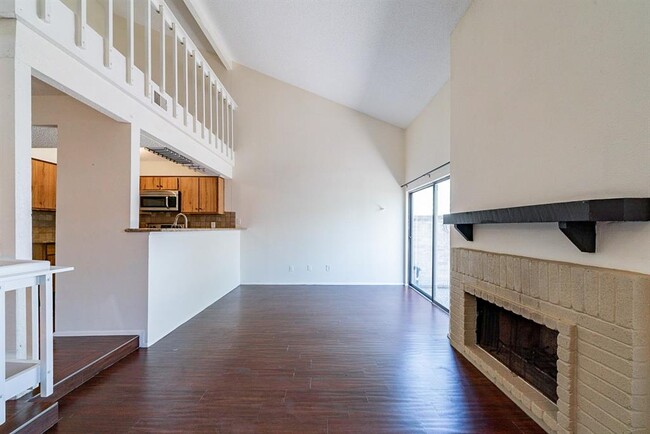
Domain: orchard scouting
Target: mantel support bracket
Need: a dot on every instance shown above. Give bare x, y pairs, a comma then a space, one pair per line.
466, 230
582, 234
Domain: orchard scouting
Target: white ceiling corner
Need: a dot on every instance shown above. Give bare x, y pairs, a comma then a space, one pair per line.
211, 32
384, 58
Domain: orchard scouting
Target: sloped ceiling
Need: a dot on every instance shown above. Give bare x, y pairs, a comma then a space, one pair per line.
385, 58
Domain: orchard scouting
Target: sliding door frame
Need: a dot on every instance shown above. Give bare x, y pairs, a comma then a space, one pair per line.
409, 199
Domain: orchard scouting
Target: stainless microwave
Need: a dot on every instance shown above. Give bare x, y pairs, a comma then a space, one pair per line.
160, 200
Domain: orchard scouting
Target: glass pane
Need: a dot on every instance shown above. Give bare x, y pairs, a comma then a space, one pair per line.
151, 202
442, 245
421, 239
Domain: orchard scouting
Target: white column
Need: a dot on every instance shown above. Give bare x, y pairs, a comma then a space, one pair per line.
175, 62
186, 86
20, 321
15, 178
226, 133
81, 16
210, 107
108, 39
232, 130
196, 89
203, 123
163, 31
32, 347
216, 115
130, 52
47, 339
223, 122
44, 10
147, 48
15, 160
134, 209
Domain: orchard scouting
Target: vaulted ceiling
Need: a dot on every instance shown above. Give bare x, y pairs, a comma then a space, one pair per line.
385, 58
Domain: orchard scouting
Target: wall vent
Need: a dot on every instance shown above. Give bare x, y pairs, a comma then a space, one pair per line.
160, 100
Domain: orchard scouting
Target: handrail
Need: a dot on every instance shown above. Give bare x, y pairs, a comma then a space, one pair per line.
38, 359
206, 100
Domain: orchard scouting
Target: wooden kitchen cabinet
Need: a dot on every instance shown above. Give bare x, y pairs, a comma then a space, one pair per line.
43, 185
221, 196
44, 252
158, 183
202, 195
208, 195
189, 188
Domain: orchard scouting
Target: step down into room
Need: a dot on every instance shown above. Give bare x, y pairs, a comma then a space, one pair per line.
76, 360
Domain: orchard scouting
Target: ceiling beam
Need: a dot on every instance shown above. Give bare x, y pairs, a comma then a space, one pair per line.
211, 32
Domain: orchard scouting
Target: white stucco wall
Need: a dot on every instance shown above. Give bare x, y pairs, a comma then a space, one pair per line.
428, 138
316, 184
550, 103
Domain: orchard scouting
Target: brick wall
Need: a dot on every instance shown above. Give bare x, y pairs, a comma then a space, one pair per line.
43, 227
603, 320
226, 220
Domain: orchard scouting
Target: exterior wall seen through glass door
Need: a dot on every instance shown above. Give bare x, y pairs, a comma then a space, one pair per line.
421, 232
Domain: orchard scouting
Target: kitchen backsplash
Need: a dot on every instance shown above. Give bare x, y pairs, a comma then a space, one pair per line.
44, 227
227, 220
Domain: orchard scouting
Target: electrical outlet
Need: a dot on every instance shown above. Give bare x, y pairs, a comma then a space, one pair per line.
291, 269
327, 268
308, 267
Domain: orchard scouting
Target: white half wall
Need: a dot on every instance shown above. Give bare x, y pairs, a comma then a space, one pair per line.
428, 139
550, 103
188, 271
316, 184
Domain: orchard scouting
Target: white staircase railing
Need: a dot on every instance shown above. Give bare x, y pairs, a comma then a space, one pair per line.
33, 363
174, 80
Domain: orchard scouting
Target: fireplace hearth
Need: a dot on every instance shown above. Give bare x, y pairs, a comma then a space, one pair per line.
568, 343
523, 346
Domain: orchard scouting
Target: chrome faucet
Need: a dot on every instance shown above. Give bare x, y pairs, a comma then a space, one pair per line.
176, 224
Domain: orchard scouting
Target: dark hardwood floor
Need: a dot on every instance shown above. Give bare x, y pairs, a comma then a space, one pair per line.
298, 359
76, 360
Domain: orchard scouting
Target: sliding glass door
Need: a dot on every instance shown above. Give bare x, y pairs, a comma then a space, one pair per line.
421, 236
441, 243
429, 247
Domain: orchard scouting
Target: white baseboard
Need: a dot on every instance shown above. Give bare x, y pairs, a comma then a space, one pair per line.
141, 333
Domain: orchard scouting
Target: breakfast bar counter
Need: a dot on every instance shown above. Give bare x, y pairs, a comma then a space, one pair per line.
182, 229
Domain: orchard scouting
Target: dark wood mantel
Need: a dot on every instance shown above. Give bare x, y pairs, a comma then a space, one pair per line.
577, 220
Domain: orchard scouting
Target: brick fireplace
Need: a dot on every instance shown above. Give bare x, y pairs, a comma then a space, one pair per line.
601, 318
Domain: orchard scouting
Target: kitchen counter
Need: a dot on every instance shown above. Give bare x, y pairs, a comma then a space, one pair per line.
182, 229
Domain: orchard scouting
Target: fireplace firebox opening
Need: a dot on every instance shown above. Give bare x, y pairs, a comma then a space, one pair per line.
525, 347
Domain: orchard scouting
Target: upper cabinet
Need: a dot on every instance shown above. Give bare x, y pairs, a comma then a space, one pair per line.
43, 185
208, 195
158, 183
202, 195
199, 194
189, 188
